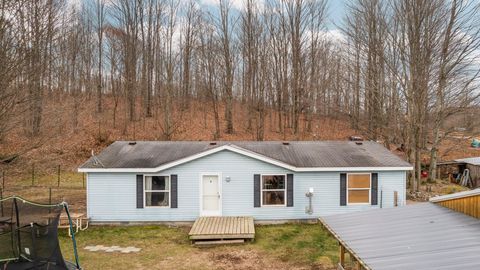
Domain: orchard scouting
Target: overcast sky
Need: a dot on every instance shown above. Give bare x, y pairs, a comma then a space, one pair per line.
335, 11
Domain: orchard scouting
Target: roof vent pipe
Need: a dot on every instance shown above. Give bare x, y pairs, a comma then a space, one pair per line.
355, 138
96, 160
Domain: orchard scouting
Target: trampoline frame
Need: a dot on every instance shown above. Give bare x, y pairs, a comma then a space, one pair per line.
63, 204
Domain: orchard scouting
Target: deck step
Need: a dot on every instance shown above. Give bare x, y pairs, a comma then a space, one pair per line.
219, 242
222, 229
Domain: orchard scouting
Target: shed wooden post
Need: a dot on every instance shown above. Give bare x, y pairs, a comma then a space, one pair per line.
358, 266
342, 255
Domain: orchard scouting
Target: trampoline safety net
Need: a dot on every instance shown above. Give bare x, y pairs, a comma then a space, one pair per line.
28, 235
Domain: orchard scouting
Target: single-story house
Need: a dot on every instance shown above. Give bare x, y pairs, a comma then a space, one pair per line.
182, 180
441, 234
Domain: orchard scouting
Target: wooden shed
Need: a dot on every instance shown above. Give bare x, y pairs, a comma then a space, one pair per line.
458, 166
473, 165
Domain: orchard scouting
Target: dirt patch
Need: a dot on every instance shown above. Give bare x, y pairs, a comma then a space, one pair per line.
438, 188
241, 258
238, 257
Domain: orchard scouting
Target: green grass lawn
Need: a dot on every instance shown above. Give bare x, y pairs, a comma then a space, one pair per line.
307, 244
288, 246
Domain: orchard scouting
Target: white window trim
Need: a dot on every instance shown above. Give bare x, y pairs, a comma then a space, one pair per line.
167, 191
284, 190
369, 190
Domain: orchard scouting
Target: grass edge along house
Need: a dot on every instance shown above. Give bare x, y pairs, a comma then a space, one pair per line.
152, 181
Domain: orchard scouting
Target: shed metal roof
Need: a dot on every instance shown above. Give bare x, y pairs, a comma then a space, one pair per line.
420, 236
317, 154
458, 195
472, 160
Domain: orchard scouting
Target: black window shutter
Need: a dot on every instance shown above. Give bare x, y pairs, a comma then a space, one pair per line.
139, 190
374, 189
343, 189
173, 191
256, 190
289, 189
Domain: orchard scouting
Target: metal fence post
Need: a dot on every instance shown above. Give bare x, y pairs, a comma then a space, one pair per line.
50, 199
33, 174
58, 176
1, 202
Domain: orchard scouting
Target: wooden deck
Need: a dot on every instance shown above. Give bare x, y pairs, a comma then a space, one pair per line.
222, 229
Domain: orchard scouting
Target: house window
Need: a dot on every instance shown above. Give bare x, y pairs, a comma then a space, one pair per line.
273, 189
157, 191
359, 185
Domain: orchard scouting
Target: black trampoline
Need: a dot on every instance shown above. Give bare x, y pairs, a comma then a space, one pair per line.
28, 236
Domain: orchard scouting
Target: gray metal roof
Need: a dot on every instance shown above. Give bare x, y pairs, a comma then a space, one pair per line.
420, 236
473, 160
152, 154
458, 195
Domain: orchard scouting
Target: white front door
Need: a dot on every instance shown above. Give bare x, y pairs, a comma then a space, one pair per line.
210, 200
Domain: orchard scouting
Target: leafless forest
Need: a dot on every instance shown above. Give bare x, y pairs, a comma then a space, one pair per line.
395, 70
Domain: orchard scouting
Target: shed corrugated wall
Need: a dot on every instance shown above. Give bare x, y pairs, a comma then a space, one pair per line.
112, 196
467, 205
474, 174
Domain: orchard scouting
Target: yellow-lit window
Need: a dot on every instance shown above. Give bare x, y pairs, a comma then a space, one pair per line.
358, 188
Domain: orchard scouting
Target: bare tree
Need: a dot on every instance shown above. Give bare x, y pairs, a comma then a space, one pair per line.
208, 65
225, 29
170, 64
127, 14
251, 43
100, 15
456, 74
189, 32
39, 23
12, 61
115, 72
399, 72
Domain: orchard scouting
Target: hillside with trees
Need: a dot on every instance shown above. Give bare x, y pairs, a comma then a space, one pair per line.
76, 75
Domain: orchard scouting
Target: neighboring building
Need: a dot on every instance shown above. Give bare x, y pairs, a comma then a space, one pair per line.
180, 181
458, 167
440, 234
473, 165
